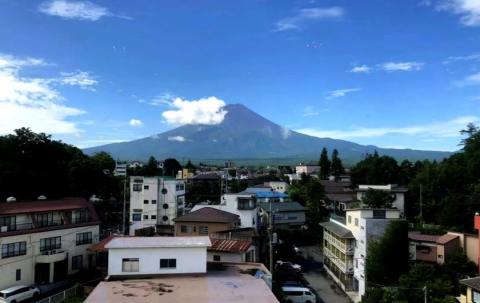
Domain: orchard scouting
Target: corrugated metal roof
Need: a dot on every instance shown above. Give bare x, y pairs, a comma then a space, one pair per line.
416, 236
153, 242
238, 246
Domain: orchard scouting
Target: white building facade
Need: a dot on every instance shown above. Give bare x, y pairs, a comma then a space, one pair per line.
155, 202
143, 256
45, 241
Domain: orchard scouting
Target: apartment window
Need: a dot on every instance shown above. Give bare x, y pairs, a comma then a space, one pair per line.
80, 216
77, 262
168, 263
84, 238
203, 230
356, 221
185, 229
194, 229
136, 217
145, 201
14, 249
154, 201
145, 217
130, 265
153, 217
145, 187
18, 275
45, 219
180, 186
349, 219
216, 258
50, 243
356, 263
9, 222
137, 187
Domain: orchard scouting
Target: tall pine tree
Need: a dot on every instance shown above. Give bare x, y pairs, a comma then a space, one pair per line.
337, 166
324, 165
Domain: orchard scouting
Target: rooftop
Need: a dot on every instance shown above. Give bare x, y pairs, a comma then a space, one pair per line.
472, 282
23, 207
446, 238
235, 246
153, 242
338, 230
283, 206
416, 236
389, 187
224, 283
208, 214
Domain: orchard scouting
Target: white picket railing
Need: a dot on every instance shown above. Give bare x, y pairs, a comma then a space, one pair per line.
61, 296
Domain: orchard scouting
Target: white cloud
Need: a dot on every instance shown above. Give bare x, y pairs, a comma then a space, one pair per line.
308, 14
449, 128
79, 10
31, 102
135, 122
79, 78
473, 79
163, 99
177, 138
360, 69
453, 59
340, 93
309, 111
286, 133
401, 66
207, 111
468, 10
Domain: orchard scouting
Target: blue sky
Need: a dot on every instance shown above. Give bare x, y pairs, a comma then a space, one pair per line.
389, 73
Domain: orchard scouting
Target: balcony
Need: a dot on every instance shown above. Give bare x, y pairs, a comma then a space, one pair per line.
345, 266
345, 248
51, 256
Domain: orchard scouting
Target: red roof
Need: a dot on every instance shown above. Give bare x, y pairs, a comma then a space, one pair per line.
446, 238
238, 246
416, 236
23, 207
100, 246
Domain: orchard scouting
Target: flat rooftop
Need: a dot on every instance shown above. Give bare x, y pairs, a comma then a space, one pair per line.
226, 282
152, 242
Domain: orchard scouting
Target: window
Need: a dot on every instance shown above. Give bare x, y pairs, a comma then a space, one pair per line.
154, 201
216, 258
137, 187
356, 221
50, 243
145, 187
84, 238
130, 265
18, 275
203, 230
145, 201
77, 262
45, 219
194, 229
349, 219
9, 222
293, 293
14, 249
145, 217
180, 186
136, 217
168, 263
440, 256
246, 203
153, 217
356, 263
80, 216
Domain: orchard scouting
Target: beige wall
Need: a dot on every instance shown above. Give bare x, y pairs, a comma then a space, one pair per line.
195, 226
469, 245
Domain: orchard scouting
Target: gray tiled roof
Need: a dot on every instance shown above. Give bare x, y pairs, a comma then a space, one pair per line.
472, 282
337, 229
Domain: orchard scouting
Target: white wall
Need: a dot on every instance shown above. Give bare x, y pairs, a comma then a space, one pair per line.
189, 260
26, 263
226, 257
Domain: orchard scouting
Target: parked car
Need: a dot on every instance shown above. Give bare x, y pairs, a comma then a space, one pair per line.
289, 264
19, 293
292, 284
298, 295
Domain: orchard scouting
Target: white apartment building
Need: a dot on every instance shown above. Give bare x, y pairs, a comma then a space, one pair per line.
242, 204
155, 202
345, 246
396, 191
143, 256
44, 241
278, 186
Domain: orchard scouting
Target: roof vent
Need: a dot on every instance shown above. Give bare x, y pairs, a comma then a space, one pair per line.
42, 197
11, 199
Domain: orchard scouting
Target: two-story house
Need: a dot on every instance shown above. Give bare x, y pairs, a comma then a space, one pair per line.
205, 221
43, 241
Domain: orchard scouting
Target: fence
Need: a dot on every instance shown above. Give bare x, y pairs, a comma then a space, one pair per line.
61, 296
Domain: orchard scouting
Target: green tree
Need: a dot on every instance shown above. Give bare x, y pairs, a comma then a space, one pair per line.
336, 167
171, 167
324, 164
310, 193
378, 199
375, 169
190, 166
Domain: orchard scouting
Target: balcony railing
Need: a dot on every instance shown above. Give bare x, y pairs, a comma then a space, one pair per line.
345, 266
345, 248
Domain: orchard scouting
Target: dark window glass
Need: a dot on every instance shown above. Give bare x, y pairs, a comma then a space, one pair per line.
18, 275
77, 262
216, 258
84, 238
136, 217
137, 187
50, 243
154, 201
168, 263
14, 249
145, 201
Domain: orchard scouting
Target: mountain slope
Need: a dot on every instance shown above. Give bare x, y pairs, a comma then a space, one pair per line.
244, 134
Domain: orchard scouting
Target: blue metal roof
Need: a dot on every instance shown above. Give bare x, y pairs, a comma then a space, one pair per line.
265, 194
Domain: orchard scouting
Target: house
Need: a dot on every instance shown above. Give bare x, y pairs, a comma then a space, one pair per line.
339, 193
265, 194
397, 192
44, 241
249, 234
135, 164
308, 169
205, 221
472, 290
242, 204
289, 215
432, 248
154, 203
224, 250
345, 245
143, 256
278, 186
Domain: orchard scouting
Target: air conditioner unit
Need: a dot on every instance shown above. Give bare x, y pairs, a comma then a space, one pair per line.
3, 229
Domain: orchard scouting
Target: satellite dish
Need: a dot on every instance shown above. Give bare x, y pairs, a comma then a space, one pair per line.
165, 218
165, 206
164, 191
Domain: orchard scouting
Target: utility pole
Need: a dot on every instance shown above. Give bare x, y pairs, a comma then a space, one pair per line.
124, 229
421, 202
425, 294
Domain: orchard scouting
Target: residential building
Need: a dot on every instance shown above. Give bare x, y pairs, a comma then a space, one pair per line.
265, 194
338, 193
242, 204
154, 203
397, 192
345, 246
45, 241
135, 164
205, 221
472, 294
433, 248
278, 186
286, 214
143, 256
308, 169
223, 250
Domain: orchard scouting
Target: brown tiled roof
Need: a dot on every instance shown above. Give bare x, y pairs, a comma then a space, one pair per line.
208, 214
446, 238
100, 246
416, 236
472, 282
237, 246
